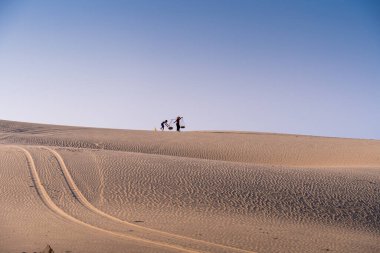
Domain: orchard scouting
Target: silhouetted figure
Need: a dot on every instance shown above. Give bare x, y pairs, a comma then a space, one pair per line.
163, 124
178, 124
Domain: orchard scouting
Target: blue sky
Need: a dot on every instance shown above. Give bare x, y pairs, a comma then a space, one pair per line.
303, 67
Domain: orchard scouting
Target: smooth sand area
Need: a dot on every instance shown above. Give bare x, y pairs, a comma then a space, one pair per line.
104, 190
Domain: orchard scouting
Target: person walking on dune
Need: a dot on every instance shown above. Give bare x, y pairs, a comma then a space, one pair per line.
163, 124
178, 124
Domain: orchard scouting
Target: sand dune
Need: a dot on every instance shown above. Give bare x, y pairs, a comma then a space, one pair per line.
256, 148
104, 190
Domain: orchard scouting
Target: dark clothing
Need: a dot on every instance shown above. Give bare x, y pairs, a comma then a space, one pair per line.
163, 124
178, 124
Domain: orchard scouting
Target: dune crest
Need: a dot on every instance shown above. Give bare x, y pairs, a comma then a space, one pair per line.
256, 148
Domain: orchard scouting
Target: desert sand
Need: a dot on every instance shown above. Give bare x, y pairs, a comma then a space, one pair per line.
105, 190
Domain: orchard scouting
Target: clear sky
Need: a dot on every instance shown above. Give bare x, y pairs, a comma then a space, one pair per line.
304, 67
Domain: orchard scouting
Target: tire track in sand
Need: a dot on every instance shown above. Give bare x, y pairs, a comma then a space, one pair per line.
82, 199
53, 207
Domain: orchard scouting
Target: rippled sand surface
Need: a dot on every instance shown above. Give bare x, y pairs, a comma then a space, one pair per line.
104, 190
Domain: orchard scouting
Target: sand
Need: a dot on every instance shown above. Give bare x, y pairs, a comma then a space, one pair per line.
83, 189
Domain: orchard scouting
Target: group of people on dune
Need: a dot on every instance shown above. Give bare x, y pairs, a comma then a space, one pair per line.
177, 122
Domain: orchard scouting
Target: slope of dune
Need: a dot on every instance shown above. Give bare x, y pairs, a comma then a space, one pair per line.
105, 190
257, 148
